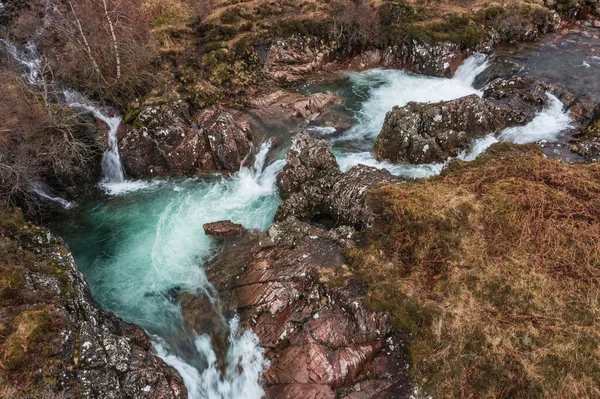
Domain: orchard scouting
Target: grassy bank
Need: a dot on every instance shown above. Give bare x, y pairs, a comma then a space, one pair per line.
494, 268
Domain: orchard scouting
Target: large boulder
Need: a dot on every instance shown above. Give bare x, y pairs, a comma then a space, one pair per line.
420, 133
55, 341
171, 142
313, 187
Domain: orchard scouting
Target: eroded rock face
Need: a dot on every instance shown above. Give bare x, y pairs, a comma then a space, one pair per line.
54, 336
299, 297
171, 142
425, 133
292, 59
313, 187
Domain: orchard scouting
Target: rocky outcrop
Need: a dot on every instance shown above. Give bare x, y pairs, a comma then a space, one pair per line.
54, 340
297, 294
313, 187
426, 133
498, 69
295, 58
171, 142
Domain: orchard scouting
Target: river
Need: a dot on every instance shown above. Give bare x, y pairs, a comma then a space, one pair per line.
141, 243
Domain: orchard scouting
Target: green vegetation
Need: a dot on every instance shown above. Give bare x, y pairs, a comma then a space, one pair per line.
494, 269
30, 322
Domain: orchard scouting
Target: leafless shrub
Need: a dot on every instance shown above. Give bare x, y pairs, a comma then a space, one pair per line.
356, 22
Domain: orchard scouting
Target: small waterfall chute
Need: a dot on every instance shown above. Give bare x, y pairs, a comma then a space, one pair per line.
112, 169
42, 191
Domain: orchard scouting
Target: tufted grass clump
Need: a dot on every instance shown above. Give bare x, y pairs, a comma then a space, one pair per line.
494, 267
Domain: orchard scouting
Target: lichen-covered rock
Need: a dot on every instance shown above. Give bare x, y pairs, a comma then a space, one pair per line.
313, 187
297, 294
308, 161
55, 342
292, 59
171, 142
519, 95
425, 133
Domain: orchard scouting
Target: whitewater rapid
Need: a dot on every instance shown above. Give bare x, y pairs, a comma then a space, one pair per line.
144, 242
381, 90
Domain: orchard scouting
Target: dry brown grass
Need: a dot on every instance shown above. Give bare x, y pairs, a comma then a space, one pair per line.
495, 268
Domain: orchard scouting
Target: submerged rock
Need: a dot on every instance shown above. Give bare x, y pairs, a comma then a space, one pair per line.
55, 341
171, 142
314, 188
426, 133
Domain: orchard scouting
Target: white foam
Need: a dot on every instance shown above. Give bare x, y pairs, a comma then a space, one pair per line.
547, 125
128, 186
348, 160
245, 365
321, 131
389, 88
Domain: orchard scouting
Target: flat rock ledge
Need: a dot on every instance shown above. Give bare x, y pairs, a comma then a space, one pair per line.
223, 229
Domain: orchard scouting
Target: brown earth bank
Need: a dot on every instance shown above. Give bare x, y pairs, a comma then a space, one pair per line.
54, 342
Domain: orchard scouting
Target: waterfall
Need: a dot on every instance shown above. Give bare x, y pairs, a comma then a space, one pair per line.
28, 59
43, 191
112, 169
545, 126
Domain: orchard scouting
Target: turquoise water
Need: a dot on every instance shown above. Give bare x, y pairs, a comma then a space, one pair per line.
145, 241
140, 244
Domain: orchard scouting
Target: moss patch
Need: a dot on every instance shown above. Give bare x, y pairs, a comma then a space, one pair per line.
495, 268
30, 321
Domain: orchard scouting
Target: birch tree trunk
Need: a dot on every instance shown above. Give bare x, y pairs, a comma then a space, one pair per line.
115, 43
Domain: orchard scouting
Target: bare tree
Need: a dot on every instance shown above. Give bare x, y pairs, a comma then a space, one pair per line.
85, 43
114, 39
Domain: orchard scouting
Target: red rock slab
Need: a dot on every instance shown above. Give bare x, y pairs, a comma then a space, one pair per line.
224, 228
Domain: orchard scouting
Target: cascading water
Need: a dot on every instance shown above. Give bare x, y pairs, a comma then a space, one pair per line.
28, 59
546, 126
380, 90
112, 169
43, 191
139, 247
